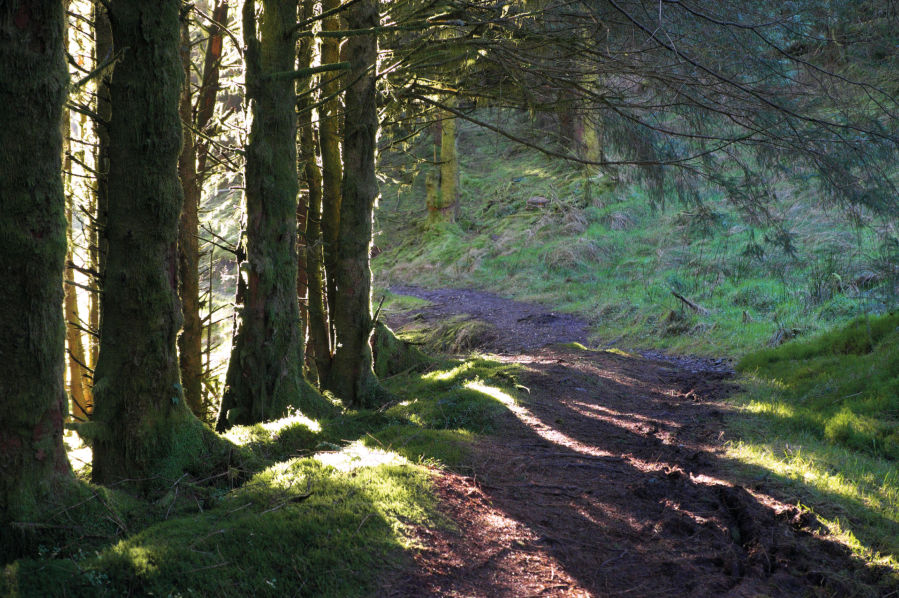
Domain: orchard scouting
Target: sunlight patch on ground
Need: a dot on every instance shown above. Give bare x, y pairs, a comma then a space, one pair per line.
821, 468
449, 374
539, 428
242, 435
297, 418
358, 455
614, 417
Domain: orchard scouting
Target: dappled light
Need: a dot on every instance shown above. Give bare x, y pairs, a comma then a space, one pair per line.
358, 455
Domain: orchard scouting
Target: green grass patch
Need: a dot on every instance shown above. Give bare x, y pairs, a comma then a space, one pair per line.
842, 385
603, 249
820, 419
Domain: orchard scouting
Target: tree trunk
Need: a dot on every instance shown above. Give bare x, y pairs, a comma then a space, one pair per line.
265, 374
190, 341
351, 377
78, 387
33, 247
142, 427
449, 166
209, 87
332, 168
443, 194
309, 281
319, 334
103, 49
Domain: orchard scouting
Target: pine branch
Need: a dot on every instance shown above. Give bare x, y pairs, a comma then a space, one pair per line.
308, 72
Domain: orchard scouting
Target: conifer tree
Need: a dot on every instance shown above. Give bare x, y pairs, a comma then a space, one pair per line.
33, 86
351, 377
196, 112
142, 428
265, 373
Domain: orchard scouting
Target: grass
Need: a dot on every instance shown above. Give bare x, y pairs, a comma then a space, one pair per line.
819, 420
842, 386
331, 511
609, 255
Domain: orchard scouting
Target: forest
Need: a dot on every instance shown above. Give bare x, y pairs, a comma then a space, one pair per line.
477, 298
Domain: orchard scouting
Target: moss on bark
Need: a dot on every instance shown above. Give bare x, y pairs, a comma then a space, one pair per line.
318, 345
190, 341
393, 355
332, 168
265, 374
351, 377
443, 193
143, 428
33, 461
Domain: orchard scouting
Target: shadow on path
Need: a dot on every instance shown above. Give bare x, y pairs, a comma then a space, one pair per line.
609, 479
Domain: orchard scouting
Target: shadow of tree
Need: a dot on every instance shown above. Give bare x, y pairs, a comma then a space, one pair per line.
616, 465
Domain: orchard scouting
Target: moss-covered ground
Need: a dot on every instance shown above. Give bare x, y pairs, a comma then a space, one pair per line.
821, 419
306, 508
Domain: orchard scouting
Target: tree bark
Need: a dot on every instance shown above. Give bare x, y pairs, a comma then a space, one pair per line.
309, 255
103, 49
332, 168
319, 334
265, 374
443, 194
78, 386
209, 87
142, 428
351, 377
33, 88
190, 341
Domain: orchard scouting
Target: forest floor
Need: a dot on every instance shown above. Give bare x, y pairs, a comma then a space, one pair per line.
611, 478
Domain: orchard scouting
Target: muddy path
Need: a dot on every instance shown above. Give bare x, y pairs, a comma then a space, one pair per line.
610, 479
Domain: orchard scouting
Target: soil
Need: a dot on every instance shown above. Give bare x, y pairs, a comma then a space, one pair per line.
610, 479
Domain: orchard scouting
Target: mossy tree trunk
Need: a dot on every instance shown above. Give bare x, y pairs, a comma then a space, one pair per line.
319, 334
443, 193
190, 341
351, 377
265, 374
142, 427
310, 284
33, 460
332, 168
192, 171
305, 155
103, 49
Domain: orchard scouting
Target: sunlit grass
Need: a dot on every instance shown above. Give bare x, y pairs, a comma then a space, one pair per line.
797, 398
855, 495
615, 259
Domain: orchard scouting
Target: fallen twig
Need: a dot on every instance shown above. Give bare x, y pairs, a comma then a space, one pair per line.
694, 306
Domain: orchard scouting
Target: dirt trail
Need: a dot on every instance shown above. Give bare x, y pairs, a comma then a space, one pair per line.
610, 480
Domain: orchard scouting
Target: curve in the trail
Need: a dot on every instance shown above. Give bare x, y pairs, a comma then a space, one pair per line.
524, 327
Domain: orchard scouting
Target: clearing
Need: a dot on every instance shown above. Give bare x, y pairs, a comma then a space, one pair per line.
610, 478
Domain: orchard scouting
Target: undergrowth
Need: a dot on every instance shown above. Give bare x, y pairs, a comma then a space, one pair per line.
330, 510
